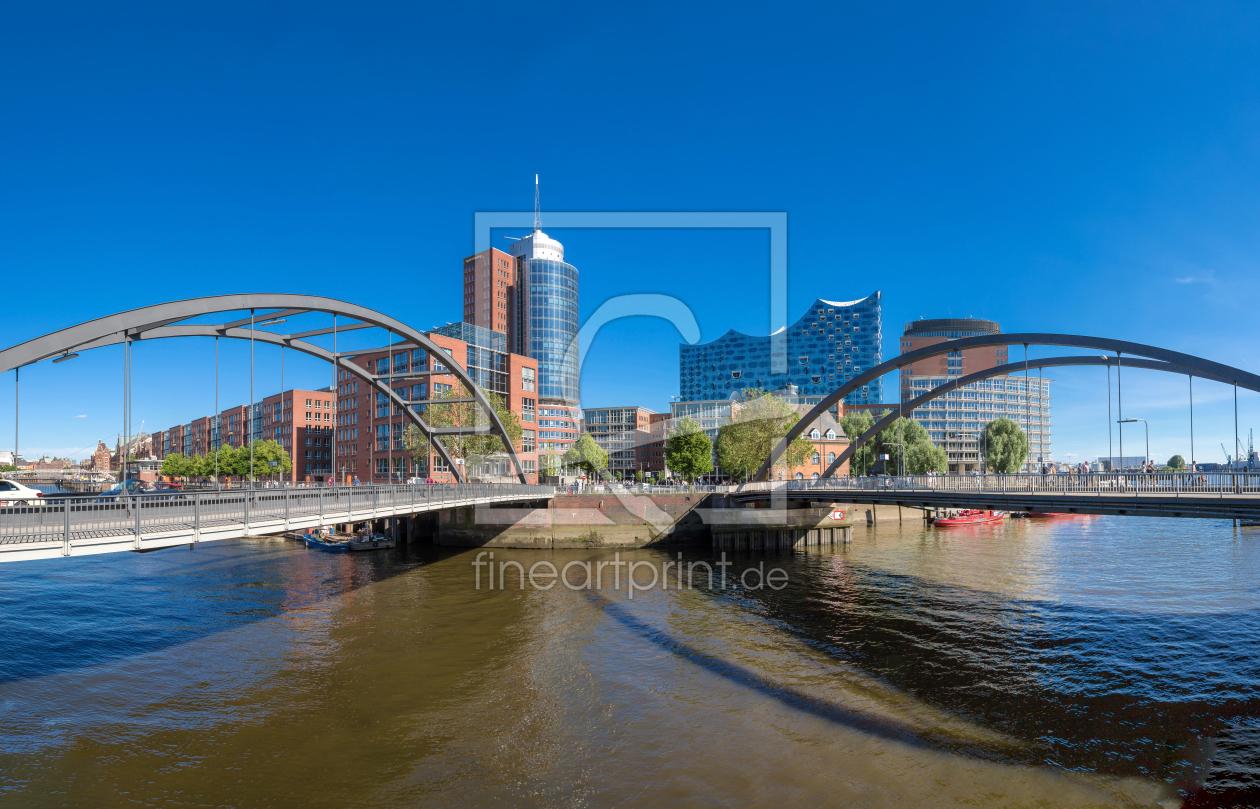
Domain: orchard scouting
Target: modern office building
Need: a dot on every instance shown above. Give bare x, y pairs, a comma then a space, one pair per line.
530, 296
830, 344
954, 421
620, 431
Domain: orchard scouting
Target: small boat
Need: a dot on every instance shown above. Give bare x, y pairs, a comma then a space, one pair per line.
322, 543
356, 542
970, 516
370, 542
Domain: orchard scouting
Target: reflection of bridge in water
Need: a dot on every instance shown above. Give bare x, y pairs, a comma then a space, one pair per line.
1217, 495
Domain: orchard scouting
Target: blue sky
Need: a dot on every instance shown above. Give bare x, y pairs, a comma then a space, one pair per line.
1073, 167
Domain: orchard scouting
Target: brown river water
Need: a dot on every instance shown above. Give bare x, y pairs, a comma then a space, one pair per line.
1077, 662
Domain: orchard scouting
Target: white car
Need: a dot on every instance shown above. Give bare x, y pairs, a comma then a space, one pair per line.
15, 494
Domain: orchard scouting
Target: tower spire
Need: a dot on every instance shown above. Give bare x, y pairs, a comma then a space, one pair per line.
537, 210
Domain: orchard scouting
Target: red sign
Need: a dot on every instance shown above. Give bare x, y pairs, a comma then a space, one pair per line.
837, 515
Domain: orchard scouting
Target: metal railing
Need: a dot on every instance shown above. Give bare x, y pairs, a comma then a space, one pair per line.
1167, 484
81, 517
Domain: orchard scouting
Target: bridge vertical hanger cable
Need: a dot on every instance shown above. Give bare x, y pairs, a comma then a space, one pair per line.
1040, 412
280, 430
17, 385
1027, 401
389, 430
1191, 422
336, 373
1111, 455
216, 434
1236, 425
249, 425
1120, 407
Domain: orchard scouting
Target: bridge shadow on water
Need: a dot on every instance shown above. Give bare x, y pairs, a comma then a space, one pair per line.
67, 614
1170, 697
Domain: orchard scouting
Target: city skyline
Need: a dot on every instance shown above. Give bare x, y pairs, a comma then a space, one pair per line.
1110, 195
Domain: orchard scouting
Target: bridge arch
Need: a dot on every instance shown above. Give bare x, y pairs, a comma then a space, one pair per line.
1195, 366
1052, 362
166, 320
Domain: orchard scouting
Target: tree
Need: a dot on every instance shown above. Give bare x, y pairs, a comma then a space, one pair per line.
176, 465
688, 450
1176, 463
754, 431
924, 456
587, 456
474, 448
638, 476
1005, 445
896, 440
549, 464
854, 424
418, 447
7, 467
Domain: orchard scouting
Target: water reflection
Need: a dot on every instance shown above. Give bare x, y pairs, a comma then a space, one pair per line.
1089, 662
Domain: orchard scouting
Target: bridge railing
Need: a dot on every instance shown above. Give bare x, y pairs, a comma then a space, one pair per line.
1105, 483
109, 515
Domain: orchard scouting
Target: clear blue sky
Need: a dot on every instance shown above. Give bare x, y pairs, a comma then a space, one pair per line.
1076, 167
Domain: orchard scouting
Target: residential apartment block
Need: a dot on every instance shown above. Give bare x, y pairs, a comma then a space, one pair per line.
954, 421
621, 432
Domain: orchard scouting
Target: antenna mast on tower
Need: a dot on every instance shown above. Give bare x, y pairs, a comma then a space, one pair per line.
537, 211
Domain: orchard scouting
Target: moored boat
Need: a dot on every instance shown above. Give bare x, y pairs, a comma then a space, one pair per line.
970, 516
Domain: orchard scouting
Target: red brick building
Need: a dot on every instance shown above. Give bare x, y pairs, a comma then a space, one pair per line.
489, 291
369, 429
923, 333
302, 423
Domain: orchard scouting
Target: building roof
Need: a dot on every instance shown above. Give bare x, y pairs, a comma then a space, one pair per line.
967, 324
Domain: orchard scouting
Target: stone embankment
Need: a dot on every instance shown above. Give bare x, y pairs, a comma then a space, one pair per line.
625, 520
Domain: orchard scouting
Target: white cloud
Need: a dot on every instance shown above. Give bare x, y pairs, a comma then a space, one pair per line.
83, 417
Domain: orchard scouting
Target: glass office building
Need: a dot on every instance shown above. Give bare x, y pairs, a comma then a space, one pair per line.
546, 316
829, 345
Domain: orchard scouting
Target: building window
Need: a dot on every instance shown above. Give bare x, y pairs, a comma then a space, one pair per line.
527, 466
831, 435
527, 440
813, 434
527, 409
382, 466
527, 379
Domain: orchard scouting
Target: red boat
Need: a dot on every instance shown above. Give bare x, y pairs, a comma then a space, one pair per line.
971, 516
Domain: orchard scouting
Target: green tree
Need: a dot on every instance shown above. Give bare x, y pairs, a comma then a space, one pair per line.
752, 434
587, 456
1176, 463
417, 447
549, 464
924, 456
854, 424
1005, 445
896, 439
638, 476
474, 448
7, 467
176, 465
688, 450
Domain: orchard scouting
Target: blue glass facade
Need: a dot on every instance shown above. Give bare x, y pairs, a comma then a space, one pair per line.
830, 344
552, 303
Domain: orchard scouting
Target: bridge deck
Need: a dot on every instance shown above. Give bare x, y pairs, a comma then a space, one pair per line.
1212, 495
73, 526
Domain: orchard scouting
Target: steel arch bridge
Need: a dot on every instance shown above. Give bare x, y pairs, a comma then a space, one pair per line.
1141, 356
168, 320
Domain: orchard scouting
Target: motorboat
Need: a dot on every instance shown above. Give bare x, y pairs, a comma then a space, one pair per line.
970, 516
363, 541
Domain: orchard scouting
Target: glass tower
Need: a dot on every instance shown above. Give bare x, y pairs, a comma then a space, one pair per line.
546, 316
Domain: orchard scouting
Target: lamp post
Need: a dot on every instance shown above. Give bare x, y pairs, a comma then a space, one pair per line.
983, 454
900, 456
1148, 436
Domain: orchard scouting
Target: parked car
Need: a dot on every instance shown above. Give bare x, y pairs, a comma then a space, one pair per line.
127, 487
15, 494
167, 487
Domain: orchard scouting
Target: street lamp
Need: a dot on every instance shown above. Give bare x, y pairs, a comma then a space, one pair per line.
1148, 436
983, 454
900, 456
